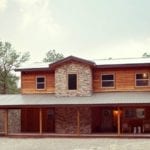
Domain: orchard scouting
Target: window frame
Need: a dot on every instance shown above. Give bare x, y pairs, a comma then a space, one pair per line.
102, 74
71, 73
41, 82
148, 79
134, 113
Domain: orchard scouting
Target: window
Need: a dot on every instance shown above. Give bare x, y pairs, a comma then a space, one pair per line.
40, 82
108, 80
138, 113
142, 79
72, 81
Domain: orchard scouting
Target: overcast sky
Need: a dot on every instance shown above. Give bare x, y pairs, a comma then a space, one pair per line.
86, 28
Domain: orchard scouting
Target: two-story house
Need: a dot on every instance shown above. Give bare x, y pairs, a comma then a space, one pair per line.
74, 96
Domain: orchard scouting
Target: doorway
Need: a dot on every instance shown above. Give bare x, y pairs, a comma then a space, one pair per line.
103, 120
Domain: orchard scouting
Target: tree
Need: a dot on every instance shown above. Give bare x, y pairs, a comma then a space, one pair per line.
9, 60
52, 56
146, 55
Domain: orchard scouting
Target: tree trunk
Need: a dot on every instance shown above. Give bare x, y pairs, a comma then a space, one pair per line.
4, 90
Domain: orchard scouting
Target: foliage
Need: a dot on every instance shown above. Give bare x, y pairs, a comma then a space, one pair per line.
146, 55
9, 60
52, 56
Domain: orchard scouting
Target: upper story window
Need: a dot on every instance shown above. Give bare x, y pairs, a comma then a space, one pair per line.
40, 82
72, 81
107, 80
142, 79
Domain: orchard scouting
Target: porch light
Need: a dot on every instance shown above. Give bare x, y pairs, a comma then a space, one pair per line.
116, 112
145, 75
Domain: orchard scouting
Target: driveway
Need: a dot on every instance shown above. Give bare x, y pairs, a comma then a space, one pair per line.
73, 144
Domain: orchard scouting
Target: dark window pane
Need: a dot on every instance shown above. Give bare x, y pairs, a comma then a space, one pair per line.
72, 81
142, 76
130, 113
40, 79
108, 84
40, 86
142, 83
107, 77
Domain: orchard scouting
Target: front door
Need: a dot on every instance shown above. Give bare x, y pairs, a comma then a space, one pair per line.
107, 120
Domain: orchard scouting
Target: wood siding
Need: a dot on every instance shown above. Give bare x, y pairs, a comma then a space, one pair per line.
28, 82
124, 79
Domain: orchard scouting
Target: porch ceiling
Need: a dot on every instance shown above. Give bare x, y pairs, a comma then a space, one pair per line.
112, 98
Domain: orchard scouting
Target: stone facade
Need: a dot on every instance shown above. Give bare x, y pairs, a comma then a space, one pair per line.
84, 79
85, 120
1, 121
66, 120
14, 120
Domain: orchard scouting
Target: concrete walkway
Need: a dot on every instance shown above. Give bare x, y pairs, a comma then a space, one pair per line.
73, 144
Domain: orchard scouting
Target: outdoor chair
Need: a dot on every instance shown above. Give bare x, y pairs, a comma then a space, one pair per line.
146, 127
126, 128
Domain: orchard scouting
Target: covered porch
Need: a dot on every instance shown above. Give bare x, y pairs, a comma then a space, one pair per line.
98, 115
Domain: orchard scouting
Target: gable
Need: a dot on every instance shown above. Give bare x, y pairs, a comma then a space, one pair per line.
71, 59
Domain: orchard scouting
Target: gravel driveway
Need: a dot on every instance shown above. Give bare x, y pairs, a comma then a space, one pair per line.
73, 144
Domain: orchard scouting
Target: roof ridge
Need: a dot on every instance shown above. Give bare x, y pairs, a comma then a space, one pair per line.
123, 58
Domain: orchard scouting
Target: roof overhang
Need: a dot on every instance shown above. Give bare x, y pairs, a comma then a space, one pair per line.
100, 99
123, 65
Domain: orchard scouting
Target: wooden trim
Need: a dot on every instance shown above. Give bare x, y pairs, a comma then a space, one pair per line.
71, 58
40, 76
78, 121
142, 72
6, 121
114, 80
40, 121
118, 121
77, 75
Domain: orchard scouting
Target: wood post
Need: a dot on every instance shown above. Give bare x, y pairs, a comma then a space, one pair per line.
118, 121
6, 121
78, 121
40, 120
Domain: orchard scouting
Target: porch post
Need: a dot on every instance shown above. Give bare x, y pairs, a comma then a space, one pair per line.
40, 120
78, 121
6, 121
118, 121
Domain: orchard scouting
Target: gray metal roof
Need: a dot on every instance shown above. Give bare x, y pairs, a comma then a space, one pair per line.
96, 99
99, 62
122, 61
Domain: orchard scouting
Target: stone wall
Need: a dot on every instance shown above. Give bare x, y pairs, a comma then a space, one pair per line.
66, 120
84, 79
14, 121
85, 120
1, 120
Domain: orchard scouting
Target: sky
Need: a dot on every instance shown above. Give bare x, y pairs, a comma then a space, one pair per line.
91, 29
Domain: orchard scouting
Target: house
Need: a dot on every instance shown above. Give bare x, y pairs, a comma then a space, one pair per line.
78, 97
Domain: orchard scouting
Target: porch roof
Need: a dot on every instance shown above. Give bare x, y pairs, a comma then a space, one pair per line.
111, 98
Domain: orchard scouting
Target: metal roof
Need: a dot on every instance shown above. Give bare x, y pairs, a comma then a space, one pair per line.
113, 98
99, 62
34, 65
122, 61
